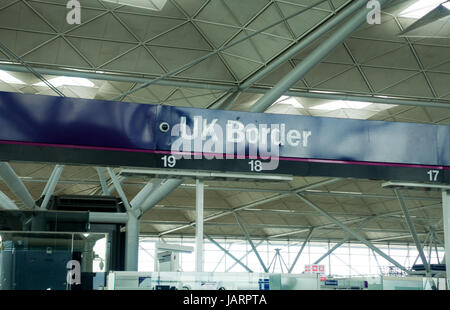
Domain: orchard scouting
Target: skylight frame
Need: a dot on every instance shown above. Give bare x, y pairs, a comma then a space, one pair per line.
10, 79
421, 8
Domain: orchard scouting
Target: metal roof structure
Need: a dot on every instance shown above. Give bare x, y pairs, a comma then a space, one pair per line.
118, 47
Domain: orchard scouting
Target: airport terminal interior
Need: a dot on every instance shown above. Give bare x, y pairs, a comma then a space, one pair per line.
135, 138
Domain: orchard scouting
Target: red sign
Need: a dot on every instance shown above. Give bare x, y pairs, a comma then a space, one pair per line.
320, 269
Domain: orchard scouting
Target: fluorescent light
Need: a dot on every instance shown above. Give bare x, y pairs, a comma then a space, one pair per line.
154, 5
422, 8
8, 78
323, 92
289, 100
336, 105
67, 81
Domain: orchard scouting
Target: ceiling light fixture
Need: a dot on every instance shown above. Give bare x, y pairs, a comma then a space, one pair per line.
336, 105
154, 5
8, 78
422, 7
67, 81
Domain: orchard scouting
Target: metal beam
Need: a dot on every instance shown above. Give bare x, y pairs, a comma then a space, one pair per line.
249, 239
302, 44
256, 203
228, 253
362, 218
51, 185
314, 57
114, 77
111, 186
336, 246
144, 193
108, 217
446, 222
102, 180
162, 191
341, 242
6, 203
396, 237
199, 200
248, 189
421, 186
15, 185
308, 237
119, 189
432, 103
132, 243
296, 213
352, 232
219, 50
244, 256
325, 227
29, 68
412, 229
226, 102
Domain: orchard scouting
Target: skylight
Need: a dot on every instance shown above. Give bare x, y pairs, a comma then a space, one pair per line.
289, 100
154, 5
336, 105
421, 8
68, 81
8, 78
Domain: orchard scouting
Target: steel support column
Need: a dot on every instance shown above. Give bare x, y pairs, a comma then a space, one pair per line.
15, 185
412, 229
313, 59
446, 222
132, 243
158, 194
228, 253
144, 193
119, 189
51, 185
247, 236
102, 180
199, 200
308, 237
353, 233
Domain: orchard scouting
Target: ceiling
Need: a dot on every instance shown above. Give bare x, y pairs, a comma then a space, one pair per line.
351, 201
135, 43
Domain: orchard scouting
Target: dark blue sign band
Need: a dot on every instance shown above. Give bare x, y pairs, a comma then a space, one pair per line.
36, 120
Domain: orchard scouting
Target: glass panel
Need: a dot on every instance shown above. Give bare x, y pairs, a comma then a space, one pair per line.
42, 260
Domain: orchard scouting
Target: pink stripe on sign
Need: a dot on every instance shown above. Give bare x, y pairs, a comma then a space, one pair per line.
309, 160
